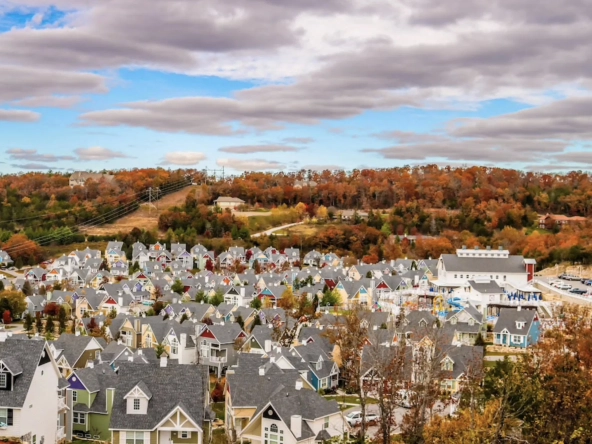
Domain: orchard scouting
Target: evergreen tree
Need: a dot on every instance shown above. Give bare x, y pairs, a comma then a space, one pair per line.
27, 289
62, 318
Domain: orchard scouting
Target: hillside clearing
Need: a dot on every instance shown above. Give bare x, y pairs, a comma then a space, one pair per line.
145, 217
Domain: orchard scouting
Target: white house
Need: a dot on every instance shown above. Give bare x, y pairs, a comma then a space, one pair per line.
228, 202
31, 405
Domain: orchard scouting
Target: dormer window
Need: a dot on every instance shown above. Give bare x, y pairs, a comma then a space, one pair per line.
3, 380
136, 404
447, 365
319, 365
520, 325
471, 321
453, 321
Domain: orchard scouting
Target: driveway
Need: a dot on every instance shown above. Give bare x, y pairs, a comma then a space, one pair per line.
273, 230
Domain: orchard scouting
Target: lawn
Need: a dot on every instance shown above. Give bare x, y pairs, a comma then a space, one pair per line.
218, 408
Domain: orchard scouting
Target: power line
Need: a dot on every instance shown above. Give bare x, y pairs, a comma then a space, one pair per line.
98, 220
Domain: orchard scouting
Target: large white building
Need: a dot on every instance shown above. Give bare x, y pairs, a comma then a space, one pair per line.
229, 202
455, 270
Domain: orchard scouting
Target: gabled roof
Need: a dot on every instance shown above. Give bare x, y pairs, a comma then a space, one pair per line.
171, 387
26, 354
511, 264
73, 346
510, 316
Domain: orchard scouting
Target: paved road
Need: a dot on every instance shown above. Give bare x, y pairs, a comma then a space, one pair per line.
273, 230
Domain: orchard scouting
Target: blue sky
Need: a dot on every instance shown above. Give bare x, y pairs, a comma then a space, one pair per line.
285, 87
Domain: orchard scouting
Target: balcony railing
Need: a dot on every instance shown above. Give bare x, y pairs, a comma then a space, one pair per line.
62, 404
61, 433
217, 358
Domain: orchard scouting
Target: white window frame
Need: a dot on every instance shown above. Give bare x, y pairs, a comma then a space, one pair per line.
79, 418
185, 434
174, 346
134, 437
3, 380
74, 396
148, 342
516, 339
137, 404
4, 416
326, 423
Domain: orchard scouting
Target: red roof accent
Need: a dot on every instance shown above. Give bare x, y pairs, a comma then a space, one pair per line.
208, 334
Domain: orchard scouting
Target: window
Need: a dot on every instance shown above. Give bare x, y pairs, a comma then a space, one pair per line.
34, 439
455, 276
3, 380
447, 365
148, 341
273, 437
134, 438
185, 435
4, 416
136, 404
74, 396
517, 339
319, 365
174, 346
79, 418
504, 277
326, 423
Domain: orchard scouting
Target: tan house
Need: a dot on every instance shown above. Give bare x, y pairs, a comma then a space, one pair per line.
552, 220
228, 202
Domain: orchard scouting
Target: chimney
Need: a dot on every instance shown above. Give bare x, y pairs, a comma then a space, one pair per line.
298, 384
183, 340
163, 361
77, 333
242, 292
267, 345
140, 352
90, 364
3, 336
137, 325
296, 425
519, 308
261, 371
174, 300
272, 359
119, 341
120, 301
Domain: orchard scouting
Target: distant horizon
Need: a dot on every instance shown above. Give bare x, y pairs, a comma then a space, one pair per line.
262, 86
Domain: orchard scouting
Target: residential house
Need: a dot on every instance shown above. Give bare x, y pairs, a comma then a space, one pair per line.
75, 351
323, 372
32, 405
79, 178
549, 221
218, 345
91, 391
164, 403
5, 259
517, 327
467, 324
354, 293
312, 258
458, 363
228, 202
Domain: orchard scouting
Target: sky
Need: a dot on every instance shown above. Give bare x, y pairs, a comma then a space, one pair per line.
277, 85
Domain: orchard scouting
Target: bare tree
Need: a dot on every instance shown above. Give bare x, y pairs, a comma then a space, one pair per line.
350, 335
385, 378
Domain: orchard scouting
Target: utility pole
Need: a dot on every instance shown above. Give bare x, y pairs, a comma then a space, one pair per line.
149, 199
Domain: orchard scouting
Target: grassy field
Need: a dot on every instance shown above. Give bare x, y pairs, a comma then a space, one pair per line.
55, 251
145, 217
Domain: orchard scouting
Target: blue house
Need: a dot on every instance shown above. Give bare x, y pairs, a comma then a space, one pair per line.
517, 328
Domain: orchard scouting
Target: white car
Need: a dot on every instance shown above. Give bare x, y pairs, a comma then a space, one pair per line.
563, 286
355, 418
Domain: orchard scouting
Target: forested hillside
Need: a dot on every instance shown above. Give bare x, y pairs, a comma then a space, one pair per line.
444, 207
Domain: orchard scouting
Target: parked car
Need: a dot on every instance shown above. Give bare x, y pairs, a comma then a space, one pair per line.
578, 291
404, 399
563, 286
587, 282
355, 418
554, 282
569, 277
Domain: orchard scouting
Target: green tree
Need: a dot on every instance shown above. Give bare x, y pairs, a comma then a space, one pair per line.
27, 288
62, 318
256, 304
331, 299
28, 324
49, 328
160, 349
38, 324
178, 287
183, 318
217, 299
240, 321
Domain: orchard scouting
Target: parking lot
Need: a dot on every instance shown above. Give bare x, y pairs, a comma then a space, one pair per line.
574, 284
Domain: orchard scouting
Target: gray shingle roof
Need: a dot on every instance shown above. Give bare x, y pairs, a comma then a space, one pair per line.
171, 387
73, 346
512, 264
27, 353
508, 318
489, 287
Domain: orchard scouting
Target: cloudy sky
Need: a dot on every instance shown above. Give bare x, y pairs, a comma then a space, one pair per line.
285, 85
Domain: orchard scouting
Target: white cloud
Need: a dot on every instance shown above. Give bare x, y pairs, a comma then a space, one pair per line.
185, 158
98, 153
251, 164
13, 115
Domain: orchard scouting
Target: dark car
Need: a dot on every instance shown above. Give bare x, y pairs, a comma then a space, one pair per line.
578, 291
587, 282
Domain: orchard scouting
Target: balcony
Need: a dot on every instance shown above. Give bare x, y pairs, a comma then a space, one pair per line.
62, 404
220, 359
61, 434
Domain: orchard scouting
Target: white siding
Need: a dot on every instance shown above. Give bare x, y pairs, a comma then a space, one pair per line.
40, 411
14, 429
